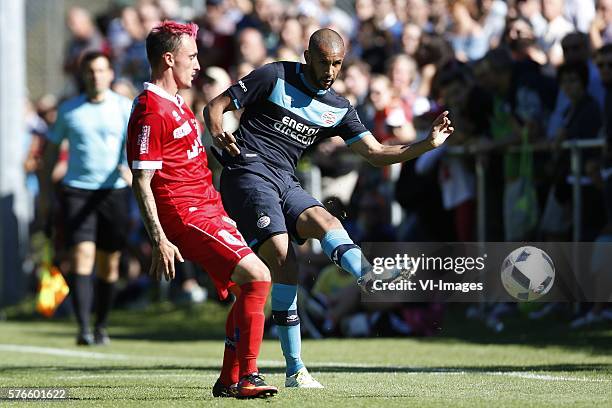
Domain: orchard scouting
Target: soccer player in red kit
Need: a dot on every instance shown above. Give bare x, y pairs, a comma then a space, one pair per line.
182, 211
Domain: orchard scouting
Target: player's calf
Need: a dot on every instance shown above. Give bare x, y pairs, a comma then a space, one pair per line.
253, 278
286, 318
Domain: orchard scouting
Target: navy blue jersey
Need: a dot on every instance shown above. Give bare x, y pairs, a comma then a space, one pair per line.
283, 115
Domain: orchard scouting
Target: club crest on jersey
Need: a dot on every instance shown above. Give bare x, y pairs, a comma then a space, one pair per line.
329, 118
182, 130
263, 221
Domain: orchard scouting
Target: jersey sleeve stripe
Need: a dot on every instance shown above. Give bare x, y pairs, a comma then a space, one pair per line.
236, 103
146, 165
357, 138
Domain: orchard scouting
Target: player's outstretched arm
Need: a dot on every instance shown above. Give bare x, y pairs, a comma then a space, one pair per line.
164, 252
213, 116
382, 155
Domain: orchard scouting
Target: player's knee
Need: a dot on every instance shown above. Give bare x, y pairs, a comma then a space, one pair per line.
107, 265
327, 221
83, 258
280, 258
276, 253
333, 223
318, 221
261, 273
257, 271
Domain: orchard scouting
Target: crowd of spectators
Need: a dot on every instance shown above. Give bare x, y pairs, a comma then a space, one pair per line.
512, 73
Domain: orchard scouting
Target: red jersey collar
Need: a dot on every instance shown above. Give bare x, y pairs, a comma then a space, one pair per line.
177, 99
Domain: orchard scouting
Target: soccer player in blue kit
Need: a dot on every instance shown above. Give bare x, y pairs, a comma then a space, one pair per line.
288, 106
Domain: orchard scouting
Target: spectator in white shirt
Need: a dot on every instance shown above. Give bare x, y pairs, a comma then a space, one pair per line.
558, 27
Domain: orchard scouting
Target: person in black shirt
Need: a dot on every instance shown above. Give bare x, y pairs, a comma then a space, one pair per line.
287, 108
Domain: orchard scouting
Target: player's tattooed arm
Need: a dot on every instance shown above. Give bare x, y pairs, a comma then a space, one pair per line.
213, 116
141, 185
164, 252
382, 155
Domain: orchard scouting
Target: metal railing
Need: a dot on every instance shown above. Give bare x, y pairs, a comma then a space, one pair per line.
574, 146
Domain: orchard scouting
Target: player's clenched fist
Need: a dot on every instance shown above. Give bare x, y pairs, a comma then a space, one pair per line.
162, 260
227, 141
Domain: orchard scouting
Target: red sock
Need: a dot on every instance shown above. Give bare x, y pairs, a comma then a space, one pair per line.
229, 371
249, 318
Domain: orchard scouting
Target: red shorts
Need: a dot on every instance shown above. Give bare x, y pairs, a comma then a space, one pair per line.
215, 244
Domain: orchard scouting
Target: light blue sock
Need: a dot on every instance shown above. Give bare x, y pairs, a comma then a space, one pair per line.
339, 247
284, 314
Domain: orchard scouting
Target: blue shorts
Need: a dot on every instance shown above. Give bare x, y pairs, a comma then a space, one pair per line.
264, 201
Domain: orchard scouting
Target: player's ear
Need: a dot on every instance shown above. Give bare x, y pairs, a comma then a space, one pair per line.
307, 56
168, 58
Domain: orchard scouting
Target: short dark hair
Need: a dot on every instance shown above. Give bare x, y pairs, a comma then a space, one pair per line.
323, 38
89, 56
581, 69
582, 37
166, 37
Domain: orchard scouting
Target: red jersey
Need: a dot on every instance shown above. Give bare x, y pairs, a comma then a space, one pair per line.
164, 135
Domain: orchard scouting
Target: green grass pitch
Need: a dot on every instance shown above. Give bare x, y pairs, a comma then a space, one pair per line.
166, 357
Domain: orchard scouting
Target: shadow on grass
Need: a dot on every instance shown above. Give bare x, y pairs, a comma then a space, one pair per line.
165, 334
348, 368
174, 334
519, 330
160, 322
165, 322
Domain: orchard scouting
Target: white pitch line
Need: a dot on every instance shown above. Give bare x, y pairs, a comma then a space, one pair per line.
530, 376
138, 376
545, 377
14, 348
54, 351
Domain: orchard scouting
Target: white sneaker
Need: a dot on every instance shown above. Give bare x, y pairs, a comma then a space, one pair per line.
302, 379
